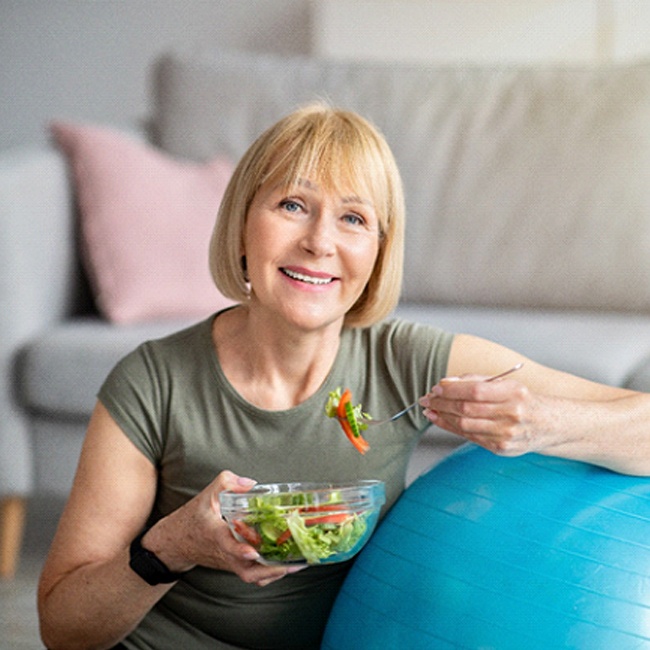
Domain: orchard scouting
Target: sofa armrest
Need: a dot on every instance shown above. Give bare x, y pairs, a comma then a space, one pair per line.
39, 280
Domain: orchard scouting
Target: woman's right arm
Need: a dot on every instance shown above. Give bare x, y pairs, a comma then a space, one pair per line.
88, 596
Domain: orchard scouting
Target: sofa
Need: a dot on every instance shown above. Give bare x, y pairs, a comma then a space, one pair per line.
528, 204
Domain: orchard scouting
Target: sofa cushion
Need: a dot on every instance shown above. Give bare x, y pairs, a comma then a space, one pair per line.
61, 370
526, 186
146, 220
611, 348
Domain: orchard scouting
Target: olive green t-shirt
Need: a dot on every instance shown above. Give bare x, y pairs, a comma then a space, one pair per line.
172, 399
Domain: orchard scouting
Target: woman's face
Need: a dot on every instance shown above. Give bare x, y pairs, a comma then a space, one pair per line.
309, 252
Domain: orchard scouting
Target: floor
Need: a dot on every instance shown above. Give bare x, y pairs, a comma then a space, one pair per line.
18, 620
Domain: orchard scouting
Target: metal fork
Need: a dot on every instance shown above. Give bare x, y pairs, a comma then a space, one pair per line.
410, 406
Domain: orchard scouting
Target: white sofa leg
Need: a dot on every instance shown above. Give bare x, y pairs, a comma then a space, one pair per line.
12, 523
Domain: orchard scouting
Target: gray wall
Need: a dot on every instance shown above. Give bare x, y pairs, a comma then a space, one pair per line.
89, 59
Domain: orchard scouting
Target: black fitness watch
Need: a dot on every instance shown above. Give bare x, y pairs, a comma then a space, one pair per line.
151, 569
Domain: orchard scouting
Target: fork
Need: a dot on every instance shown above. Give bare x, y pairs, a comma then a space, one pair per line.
410, 406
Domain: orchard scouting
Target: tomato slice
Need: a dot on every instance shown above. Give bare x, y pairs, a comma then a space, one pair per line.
249, 534
285, 537
359, 442
337, 518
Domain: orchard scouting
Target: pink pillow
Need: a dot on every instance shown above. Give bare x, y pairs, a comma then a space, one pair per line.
146, 221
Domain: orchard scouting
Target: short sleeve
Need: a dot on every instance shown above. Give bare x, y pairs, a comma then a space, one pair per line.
415, 354
132, 394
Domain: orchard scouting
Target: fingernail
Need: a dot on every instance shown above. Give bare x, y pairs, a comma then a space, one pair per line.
251, 555
296, 568
246, 482
430, 415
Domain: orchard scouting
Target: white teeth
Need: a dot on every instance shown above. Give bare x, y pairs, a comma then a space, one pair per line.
306, 278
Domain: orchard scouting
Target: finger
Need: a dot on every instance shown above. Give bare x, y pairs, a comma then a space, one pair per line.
466, 427
465, 377
476, 391
469, 410
442, 409
228, 480
500, 446
259, 574
504, 436
478, 417
288, 571
263, 575
245, 552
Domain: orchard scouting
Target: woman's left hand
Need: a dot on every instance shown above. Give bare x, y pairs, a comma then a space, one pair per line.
497, 415
538, 409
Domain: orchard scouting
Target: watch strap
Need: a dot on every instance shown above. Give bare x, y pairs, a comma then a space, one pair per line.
148, 566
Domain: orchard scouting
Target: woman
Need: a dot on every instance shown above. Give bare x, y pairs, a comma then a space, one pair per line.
309, 242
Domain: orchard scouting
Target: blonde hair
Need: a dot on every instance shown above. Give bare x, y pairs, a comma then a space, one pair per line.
339, 150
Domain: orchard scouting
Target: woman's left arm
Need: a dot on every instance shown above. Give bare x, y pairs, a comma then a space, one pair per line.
539, 410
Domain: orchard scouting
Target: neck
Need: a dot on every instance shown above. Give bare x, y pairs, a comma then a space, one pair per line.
274, 368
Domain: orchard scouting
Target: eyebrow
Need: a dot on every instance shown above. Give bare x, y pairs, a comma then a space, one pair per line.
352, 198
356, 199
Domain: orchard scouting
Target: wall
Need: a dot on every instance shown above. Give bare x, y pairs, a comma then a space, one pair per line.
88, 59
483, 31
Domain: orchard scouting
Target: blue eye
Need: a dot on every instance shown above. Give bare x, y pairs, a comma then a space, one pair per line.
353, 219
290, 205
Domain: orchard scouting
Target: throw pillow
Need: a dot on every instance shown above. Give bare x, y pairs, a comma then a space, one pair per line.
146, 221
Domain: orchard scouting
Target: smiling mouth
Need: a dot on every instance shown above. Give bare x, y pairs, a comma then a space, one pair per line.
309, 279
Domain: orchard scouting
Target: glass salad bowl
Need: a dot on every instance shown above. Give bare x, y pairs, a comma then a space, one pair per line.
304, 523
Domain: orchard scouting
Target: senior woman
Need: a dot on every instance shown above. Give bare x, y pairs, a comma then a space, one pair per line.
309, 242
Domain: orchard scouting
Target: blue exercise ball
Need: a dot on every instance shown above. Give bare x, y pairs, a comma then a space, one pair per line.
528, 553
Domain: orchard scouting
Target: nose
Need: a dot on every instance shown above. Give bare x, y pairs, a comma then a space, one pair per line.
319, 236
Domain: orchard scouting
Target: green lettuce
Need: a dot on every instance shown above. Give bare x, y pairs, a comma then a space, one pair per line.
273, 515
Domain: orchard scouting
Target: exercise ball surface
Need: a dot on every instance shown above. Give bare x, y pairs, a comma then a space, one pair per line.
527, 553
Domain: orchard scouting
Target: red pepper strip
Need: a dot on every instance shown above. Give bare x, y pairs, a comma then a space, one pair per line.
325, 507
335, 518
338, 518
340, 409
360, 444
249, 534
284, 537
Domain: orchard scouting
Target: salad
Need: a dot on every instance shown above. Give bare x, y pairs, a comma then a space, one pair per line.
351, 418
291, 528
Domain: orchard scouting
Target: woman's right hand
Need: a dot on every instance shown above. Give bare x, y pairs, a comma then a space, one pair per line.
88, 595
196, 534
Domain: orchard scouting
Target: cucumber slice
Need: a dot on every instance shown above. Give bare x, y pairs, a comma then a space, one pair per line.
270, 531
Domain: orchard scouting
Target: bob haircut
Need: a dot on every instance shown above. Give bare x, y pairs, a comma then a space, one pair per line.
340, 151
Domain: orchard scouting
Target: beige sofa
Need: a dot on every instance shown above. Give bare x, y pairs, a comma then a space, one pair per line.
529, 222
